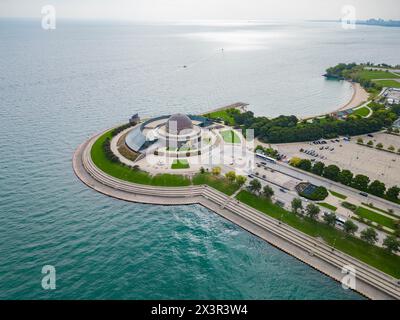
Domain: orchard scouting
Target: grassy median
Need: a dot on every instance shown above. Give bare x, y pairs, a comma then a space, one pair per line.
357, 248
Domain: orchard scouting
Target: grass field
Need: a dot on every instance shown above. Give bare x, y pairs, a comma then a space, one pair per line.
180, 164
389, 83
363, 112
230, 136
327, 205
370, 254
375, 216
338, 195
376, 74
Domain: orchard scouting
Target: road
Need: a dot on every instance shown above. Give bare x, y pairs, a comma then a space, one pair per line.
330, 185
287, 196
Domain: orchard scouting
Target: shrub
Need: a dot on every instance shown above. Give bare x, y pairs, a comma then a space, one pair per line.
349, 206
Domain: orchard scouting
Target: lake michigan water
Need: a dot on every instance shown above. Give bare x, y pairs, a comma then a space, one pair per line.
57, 88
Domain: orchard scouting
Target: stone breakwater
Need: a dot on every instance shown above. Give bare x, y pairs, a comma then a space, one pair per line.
370, 282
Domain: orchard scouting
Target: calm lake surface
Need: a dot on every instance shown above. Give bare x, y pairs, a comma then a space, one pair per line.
57, 88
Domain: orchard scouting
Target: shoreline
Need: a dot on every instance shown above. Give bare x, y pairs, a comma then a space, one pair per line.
359, 96
371, 282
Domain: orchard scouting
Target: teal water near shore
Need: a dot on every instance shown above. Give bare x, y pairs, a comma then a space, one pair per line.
58, 88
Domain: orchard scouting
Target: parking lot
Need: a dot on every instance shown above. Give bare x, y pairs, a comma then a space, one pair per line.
376, 164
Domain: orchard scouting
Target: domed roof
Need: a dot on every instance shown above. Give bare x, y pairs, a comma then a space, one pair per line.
178, 122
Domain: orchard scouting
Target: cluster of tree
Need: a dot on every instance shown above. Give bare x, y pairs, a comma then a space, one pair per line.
284, 129
119, 129
346, 177
231, 176
234, 178
351, 71
270, 152
369, 234
108, 152
340, 71
256, 187
318, 194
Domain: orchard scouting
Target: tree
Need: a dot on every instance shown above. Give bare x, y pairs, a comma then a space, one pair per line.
391, 148
360, 182
216, 171
377, 188
268, 192
241, 180
231, 176
295, 161
393, 193
312, 210
318, 168
370, 143
369, 235
332, 172
330, 219
255, 186
296, 205
360, 141
379, 146
305, 164
350, 227
345, 177
202, 170
391, 244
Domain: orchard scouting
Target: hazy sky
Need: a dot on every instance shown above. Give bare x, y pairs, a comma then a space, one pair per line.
201, 9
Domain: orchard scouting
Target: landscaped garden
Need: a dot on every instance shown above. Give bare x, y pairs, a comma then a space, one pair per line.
108, 163
375, 217
180, 164
362, 112
327, 205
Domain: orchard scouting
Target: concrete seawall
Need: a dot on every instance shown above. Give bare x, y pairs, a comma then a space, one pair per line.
370, 282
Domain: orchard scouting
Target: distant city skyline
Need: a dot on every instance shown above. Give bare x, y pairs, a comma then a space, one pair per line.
155, 10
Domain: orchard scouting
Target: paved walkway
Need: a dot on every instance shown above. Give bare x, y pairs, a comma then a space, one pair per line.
370, 282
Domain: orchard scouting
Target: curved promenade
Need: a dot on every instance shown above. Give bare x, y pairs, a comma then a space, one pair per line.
369, 281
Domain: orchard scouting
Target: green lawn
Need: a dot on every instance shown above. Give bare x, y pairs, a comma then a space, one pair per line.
226, 115
338, 195
180, 164
125, 173
389, 83
217, 182
363, 112
377, 74
379, 209
376, 217
230, 136
370, 254
327, 205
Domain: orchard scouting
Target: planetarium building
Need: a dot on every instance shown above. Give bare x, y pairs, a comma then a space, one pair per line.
170, 134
